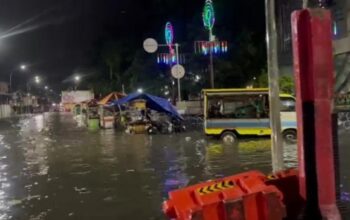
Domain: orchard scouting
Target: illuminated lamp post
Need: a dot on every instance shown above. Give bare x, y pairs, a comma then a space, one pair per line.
172, 58
212, 46
77, 79
23, 68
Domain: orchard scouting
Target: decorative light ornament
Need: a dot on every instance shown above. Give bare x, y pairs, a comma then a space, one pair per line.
335, 28
214, 47
170, 58
208, 15
169, 34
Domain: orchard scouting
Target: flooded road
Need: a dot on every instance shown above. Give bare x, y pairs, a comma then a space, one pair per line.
52, 169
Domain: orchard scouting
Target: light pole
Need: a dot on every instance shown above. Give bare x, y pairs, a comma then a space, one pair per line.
22, 67
178, 79
209, 21
212, 46
274, 90
169, 39
171, 58
77, 80
37, 79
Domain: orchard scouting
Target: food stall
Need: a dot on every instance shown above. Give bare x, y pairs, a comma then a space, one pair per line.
145, 113
92, 115
108, 114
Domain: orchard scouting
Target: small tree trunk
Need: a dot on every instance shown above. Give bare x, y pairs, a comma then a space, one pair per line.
305, 3
110, 72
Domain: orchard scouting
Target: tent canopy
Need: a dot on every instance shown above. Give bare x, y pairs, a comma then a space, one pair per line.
153, 102
111, 97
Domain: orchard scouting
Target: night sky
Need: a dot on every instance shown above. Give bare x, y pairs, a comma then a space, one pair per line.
61, 36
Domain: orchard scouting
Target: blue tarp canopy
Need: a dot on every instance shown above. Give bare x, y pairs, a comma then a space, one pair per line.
153, 102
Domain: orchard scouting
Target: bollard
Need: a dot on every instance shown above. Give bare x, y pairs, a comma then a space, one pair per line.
288, 183
313, 67
241, 197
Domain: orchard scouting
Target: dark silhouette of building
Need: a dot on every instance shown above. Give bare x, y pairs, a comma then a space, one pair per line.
284, 9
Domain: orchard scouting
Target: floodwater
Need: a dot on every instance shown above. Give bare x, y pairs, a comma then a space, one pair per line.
51, 169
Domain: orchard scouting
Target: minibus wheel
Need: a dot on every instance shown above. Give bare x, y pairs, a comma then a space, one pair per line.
229, 137
290, 136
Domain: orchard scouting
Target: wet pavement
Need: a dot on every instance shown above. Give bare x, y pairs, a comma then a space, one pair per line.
52, 169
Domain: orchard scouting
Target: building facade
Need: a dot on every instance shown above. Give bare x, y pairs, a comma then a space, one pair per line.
341, 29
284, 10
341, 37
4, 88
341, 25
5, 98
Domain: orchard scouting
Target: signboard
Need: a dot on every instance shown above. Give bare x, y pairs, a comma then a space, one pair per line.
178, 71
69, 97
342, 102
4, 87
150, 45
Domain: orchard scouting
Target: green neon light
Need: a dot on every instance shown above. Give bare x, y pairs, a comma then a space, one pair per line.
208, 15
169, 33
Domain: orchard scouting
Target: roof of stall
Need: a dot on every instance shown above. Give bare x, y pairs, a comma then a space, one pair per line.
153, 102
90, 103
111, 98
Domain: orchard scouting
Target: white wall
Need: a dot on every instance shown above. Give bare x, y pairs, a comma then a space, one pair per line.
5, 111
343, 45
69, 97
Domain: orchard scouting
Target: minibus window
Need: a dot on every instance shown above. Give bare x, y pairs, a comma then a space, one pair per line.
287, 105
237, 106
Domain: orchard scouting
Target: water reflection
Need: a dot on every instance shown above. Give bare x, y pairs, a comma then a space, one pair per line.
344, 151
61, 171
175, 176
36, 142
4, 184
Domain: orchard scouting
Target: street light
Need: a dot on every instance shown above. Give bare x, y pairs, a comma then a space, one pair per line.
197, 78
77, 79
37, 79
46, 87
140, 90
22, 67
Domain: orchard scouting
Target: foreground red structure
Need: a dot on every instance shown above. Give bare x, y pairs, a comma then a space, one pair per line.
227, 198
306, 193
313, 67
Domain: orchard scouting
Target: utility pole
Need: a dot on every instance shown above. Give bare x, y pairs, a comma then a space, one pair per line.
274, 90
211, 63
123, 89
178, 80
305, 3
10, 86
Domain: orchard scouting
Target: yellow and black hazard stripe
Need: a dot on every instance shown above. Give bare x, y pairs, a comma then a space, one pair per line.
271, 177
216, 187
